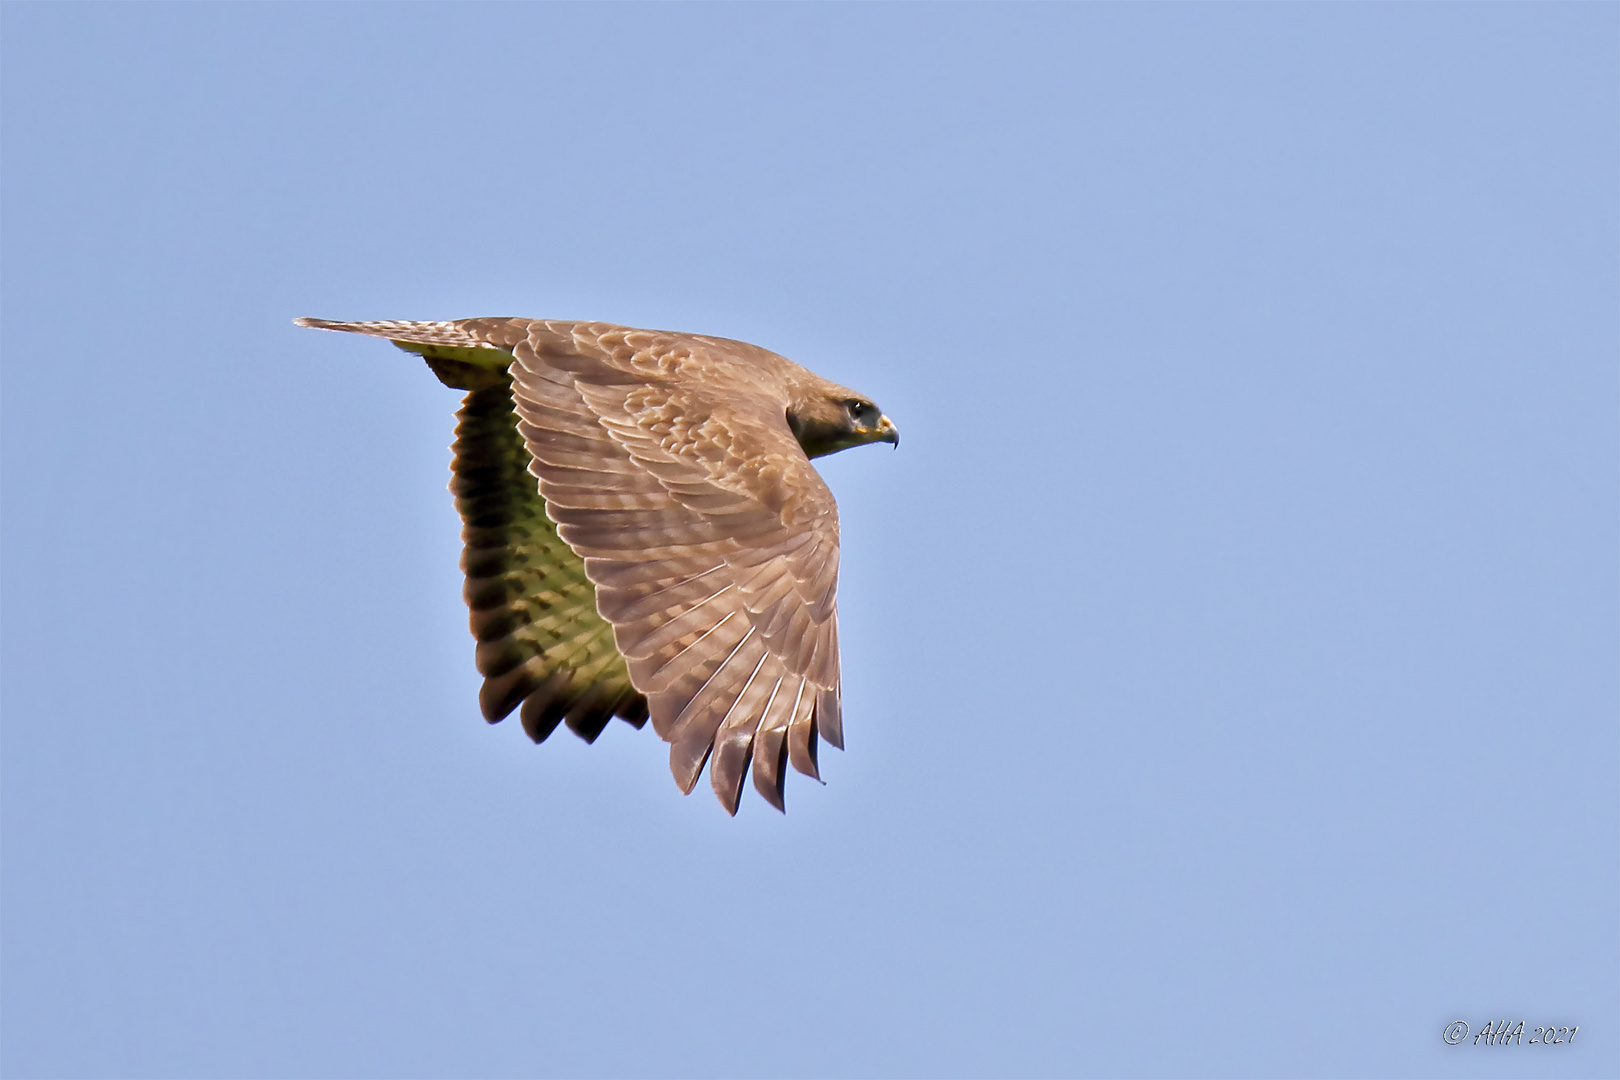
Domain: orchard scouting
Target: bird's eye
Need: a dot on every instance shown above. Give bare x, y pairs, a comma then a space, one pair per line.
860, 411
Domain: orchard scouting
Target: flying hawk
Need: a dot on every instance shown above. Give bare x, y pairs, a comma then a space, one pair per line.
678, 557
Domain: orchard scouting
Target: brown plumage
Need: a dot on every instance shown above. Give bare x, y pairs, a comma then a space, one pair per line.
678, 558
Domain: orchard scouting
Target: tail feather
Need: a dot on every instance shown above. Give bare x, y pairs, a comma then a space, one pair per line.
457, 351
421, 333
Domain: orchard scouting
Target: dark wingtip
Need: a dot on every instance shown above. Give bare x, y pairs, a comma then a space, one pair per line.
802, 748
770, 754
777, 795
633, 709
589, 725
540, 719
773, 795
687, 767
829, 717
496, 706
728, 768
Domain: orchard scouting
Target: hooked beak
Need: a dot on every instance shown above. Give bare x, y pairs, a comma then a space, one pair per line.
887, 432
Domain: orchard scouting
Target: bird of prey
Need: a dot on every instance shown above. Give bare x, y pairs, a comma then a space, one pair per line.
645, 535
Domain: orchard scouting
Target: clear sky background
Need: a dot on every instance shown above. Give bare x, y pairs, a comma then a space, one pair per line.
1230, 649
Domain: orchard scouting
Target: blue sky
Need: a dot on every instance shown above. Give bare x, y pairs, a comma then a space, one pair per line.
1230, 650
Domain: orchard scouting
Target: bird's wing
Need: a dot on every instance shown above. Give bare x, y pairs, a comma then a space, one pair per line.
711, 540
533, 612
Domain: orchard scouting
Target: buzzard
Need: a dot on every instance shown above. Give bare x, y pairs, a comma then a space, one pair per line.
645, 535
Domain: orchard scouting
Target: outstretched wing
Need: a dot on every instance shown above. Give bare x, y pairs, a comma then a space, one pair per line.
540, 640
667, 463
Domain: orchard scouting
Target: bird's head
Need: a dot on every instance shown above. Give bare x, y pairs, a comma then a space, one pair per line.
832, 418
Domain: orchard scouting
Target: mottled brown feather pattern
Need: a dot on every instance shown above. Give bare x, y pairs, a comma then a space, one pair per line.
678, 558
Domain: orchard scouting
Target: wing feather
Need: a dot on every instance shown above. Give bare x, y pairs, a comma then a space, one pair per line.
770, 742
723, 566
693, 731
531, 606
734, 742
663, 598
650, 637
